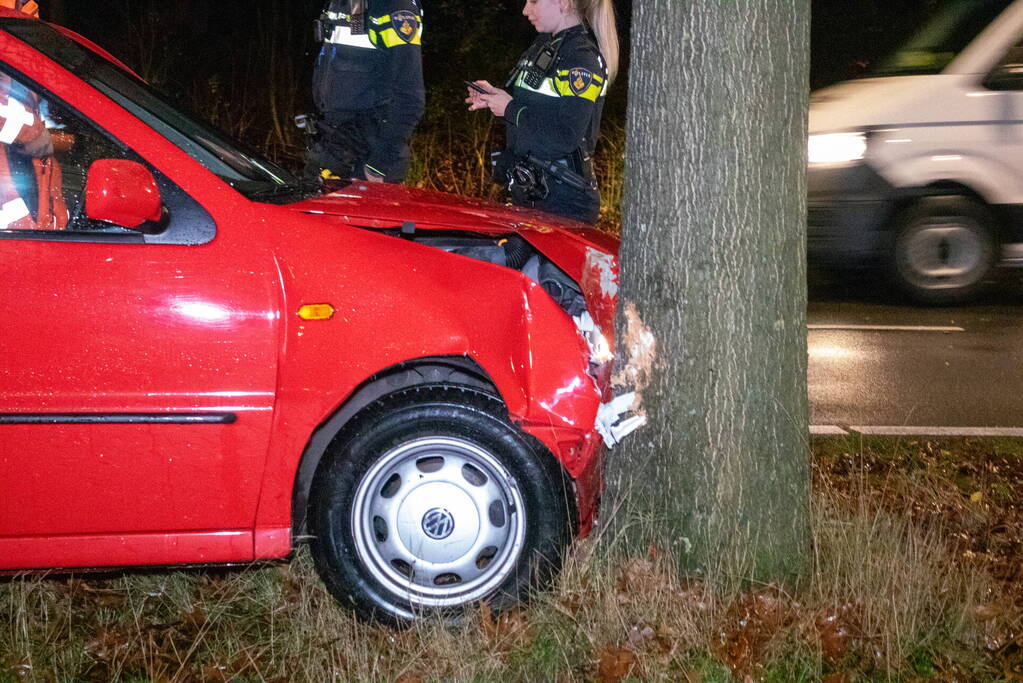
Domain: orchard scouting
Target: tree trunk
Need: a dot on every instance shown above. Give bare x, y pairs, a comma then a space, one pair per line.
713, 263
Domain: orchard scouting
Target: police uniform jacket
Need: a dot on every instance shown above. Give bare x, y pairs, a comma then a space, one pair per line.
373, 70
560, 114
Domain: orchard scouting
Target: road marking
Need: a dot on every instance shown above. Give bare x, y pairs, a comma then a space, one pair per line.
827, 430
938, 431
889, 328
911, 430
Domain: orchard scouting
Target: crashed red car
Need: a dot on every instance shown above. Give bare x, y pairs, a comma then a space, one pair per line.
214, 361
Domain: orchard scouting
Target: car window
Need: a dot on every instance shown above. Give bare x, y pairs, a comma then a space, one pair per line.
46, 151
941, 37
252, 175
1009, 70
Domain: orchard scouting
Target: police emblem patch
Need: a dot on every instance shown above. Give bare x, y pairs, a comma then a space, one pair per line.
579, 80
405, 24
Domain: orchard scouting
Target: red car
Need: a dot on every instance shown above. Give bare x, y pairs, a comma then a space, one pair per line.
212, 360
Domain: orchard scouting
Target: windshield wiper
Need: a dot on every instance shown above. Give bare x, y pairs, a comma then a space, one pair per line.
299, 189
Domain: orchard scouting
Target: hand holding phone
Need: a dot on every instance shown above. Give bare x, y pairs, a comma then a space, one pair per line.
478, 88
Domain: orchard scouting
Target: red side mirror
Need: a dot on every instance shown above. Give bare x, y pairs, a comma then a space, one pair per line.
122, 192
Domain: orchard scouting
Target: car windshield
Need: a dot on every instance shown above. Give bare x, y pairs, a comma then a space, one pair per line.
941, 37
249, 173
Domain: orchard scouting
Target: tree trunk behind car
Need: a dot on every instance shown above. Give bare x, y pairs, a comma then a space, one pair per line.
713, 265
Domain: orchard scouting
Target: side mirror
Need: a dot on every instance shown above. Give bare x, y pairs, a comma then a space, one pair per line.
1005, 77
124, 193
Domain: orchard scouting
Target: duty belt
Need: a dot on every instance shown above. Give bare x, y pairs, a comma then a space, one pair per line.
560, 171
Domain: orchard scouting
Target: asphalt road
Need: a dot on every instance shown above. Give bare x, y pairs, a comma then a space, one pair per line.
878, 365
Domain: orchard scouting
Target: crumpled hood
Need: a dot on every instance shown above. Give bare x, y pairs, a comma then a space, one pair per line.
586, 255
854, 105
379, 205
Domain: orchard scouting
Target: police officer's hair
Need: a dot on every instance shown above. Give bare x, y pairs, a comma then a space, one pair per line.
600, 15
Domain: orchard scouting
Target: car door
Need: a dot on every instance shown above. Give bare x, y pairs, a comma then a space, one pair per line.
137, 372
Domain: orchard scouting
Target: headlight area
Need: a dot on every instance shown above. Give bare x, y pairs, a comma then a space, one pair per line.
615, 418
511, 251
514, 252
836, 148
600, 347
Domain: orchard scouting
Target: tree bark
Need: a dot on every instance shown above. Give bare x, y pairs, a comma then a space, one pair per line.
713, 263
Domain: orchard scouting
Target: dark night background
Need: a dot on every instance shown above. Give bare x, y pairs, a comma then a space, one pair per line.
246, 65
196, 40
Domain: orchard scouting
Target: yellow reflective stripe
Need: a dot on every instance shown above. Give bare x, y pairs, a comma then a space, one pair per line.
389, 38
565, 90
597, 78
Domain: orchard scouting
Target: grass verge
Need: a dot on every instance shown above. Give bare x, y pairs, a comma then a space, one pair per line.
915, 576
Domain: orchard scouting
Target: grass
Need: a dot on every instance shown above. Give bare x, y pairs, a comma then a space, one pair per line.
452, 154
915, 576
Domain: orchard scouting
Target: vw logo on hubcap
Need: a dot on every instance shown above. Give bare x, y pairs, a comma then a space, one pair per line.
438, 523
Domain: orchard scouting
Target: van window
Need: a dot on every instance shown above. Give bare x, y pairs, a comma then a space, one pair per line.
1014, 57
942, 36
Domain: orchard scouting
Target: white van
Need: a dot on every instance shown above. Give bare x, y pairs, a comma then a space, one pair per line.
920, 168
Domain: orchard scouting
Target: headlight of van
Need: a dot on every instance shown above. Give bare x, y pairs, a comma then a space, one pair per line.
836, 148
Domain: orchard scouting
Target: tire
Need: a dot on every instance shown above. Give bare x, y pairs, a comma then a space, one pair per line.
945, 248
432, 501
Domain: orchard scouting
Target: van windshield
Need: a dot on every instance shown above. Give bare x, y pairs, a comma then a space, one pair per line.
941, 37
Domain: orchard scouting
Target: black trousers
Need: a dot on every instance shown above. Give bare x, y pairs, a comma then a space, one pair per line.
343, 145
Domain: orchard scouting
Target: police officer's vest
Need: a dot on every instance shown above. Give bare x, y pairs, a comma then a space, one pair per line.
355, 23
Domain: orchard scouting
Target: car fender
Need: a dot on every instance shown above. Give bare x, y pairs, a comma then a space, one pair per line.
450, 306
992, 180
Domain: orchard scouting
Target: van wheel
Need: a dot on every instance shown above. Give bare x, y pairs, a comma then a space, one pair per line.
944, 249
433, 501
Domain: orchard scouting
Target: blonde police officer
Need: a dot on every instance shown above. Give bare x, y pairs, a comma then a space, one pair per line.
552, 114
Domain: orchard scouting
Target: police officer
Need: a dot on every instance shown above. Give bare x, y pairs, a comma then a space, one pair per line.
552, 115
368, 88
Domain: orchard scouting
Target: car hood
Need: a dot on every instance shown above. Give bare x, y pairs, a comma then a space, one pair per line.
854, 105
583, 253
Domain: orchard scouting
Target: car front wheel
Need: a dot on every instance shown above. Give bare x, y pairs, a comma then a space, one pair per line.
432, 501
945, 247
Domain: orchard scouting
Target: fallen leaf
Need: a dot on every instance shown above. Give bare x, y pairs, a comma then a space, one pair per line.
641, 577
506, 629
615, 665
835, 631
103, 597
749, 626
837, 677
108, 643
987, 612
638, 636
216, 673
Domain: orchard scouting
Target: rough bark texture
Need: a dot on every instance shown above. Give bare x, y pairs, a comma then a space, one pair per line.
713, 263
